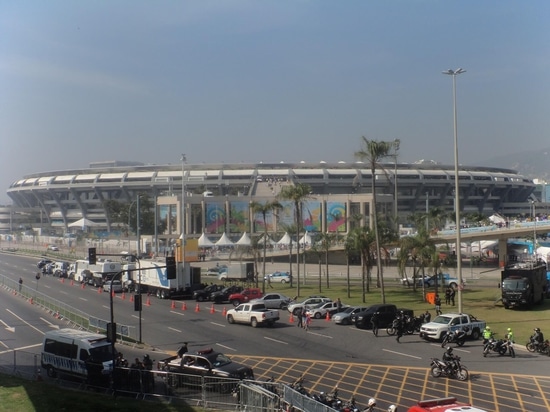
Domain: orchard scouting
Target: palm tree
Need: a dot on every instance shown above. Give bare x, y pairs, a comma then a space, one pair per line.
373, 152
297, 194
264, 209
362, 240
324, 243
421, 249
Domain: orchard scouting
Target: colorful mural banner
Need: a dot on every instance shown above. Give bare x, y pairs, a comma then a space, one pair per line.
238, 217
259, 222
336, 217
311, 219
215, 218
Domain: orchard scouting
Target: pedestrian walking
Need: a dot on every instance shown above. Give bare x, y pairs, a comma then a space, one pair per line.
304, 318
308, 321
448, 295
453, 293
300, 323
20, 284
339, 305
437, 305
374, 323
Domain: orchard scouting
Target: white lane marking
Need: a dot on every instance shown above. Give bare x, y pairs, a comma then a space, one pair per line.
401, 353
319, 334
177, 313
21, 348
51, 325
226, 347
218, 324
275, 340
26, 323
174, 329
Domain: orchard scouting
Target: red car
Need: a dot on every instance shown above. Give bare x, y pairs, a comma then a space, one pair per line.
245, 296
444, 405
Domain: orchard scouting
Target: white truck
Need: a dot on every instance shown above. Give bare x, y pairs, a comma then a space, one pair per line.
95, 274
253, 314
437, 328
152, 278
243, 271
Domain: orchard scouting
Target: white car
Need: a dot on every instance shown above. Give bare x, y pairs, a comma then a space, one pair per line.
344, 317
308, 303
117, 286
321, 310
278, 277
273, 301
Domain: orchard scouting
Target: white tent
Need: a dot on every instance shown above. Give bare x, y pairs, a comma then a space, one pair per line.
205, 242
244, 240
497, 219
270, 241
306, 239
224, 241
84, 223
285, 240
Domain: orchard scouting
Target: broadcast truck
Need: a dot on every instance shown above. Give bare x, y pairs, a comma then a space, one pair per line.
151, 277
524, 284
94, 274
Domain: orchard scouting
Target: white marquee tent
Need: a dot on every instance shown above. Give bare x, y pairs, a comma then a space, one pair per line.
84, 223
224, 241
244, 240
285, 240
204, 241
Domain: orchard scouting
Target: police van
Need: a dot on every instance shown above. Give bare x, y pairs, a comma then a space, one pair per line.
74, 352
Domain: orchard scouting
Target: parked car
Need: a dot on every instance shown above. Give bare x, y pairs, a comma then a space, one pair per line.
116, 286
53, 248
320, 310
223, 295
43, 262
273, 301
215, 271
278, 277
408, 280
308, 303
204, 294
246, 295
345, 317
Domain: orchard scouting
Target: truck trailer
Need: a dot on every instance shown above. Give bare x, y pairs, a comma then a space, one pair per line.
151, 277
524, 284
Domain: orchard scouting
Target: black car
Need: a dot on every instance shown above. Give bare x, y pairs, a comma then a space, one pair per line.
192, 367
42, 263
223, 295
204, 294
386, 315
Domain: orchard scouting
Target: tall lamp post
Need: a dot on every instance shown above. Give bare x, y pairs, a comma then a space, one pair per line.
534, 231
455, 73
396, 143
183, 160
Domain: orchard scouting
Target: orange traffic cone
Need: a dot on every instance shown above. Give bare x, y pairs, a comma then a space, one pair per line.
82, 285
123, 295
212, 309
173, 305
197, 308
113, 293
224, 311
291, 318
72, 282
30, 300
148, 303
131, 298
62, 280
99, 289
327, 318
183, 306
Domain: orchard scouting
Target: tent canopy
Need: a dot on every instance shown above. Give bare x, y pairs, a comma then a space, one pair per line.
244, 240
224, 241
306, 239
84, 223
204, 241
285, 240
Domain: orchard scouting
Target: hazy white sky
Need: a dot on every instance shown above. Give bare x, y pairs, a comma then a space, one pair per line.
243, 80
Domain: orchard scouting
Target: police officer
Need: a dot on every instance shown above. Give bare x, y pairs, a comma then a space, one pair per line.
374, 323
487, 334
509, 335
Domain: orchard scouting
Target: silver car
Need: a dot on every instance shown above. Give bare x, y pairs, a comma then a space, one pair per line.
273, 301
345, 317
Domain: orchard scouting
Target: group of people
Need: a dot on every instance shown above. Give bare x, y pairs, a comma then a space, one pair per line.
402, 322
304, 318
487, 334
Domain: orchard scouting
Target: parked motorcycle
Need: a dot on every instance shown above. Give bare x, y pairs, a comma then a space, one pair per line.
410, 324
458, 336
454, 370
534, 346
496, 346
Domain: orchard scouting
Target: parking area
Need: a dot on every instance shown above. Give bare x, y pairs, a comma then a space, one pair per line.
404, 386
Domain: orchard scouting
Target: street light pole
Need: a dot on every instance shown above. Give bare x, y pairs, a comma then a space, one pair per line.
534, 231
396, 144
183, 159
455, 73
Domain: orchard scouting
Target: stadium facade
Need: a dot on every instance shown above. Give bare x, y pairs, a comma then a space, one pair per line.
218, 196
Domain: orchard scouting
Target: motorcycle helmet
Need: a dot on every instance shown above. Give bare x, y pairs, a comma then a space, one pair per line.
537, 329
488, 328
509, 329
372, 402
392, 408
449, 350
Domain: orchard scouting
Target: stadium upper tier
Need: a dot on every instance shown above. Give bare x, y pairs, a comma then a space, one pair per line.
67, 195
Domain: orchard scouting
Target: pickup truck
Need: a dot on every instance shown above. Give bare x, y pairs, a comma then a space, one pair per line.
253, 314
246, 295
437, 328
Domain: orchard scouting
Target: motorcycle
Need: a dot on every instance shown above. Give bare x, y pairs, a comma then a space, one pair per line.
458, 337
497, 346
534, 346
454, 370
410, 324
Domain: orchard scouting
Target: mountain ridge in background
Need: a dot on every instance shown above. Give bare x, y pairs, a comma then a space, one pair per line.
534, 164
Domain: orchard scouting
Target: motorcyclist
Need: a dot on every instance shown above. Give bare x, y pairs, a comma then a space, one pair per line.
509, 335
449, 359
487, 334
538, 337
370, 405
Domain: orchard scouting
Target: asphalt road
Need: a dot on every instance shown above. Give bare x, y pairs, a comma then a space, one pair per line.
328, 354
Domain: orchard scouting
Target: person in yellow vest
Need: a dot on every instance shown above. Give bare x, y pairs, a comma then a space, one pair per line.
509, 335
487, 334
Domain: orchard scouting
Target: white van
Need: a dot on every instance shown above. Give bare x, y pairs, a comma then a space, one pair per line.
70, 351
